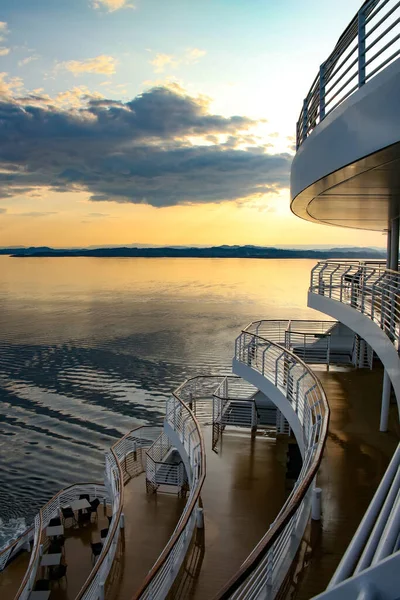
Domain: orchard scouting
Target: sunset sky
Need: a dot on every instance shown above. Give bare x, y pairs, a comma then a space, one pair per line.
158, 121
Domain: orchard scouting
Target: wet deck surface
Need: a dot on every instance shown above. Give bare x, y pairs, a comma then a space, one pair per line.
150, 520
355, 458
11, 578
77, 556
243, 492
149, 523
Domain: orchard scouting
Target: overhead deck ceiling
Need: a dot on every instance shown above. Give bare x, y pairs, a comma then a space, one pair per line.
362, 195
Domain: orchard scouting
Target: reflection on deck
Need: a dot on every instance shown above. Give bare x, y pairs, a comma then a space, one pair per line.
149, 522
11, 578
77, 556
245, 488
355, 459
243, 492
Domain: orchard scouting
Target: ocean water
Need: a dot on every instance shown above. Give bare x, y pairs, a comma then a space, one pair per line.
90, 348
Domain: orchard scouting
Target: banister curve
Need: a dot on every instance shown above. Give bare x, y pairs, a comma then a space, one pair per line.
189, 508
295, 499
111, 533
39, 526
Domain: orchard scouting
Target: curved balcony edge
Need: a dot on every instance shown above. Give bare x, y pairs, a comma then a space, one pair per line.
184, 428
356, 137
273, 393
367, 329
259, 359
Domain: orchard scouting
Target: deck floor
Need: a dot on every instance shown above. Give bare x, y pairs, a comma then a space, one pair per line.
244, 489
149, 523
11, 578
77, 557
355, 459
150, 520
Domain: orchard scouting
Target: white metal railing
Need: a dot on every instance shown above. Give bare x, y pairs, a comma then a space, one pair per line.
130, 449
308, 339
366, 47
265, 568
376, 538
42, 519
23, 541
92, 588
374, 291
180, 418
234, 404
371, 290
118, 470
160, 468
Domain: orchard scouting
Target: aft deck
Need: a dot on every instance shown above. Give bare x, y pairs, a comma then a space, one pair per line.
149, 522
243, 492
355, 459
77, 555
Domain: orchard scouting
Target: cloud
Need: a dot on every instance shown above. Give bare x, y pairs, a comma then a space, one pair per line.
3, 30
163, 60
193, 55
112, 5
103, 64
161, 148
77, 97
28, 59
97, 215
190, 57
10, 85
3, 34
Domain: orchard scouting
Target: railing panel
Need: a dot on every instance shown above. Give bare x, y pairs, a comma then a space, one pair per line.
371, 290
182, 420
374, 291
266, 566
369, 44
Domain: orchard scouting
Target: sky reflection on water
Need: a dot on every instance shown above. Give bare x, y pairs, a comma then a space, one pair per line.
90, 348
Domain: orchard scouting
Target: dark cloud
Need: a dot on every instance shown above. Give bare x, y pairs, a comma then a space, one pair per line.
140, 151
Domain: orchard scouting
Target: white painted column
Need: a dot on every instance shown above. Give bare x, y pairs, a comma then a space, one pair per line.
388, 246
392, 262
394, 245
316, 504
385, 402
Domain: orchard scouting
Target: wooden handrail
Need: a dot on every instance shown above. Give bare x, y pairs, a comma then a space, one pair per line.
36, 549
118, 515
265, 544
107, 546
34, 556
188, 511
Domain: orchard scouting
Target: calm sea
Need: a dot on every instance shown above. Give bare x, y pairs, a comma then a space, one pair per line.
91, 347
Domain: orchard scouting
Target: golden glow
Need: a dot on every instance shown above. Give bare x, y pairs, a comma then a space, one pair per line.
70, 219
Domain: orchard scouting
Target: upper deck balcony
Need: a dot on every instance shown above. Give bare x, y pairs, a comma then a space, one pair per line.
347, 167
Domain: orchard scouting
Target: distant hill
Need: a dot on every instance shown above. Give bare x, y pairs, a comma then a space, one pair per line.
224, 251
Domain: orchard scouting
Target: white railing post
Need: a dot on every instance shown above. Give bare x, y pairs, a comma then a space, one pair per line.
322, 92
305, 118
361, 47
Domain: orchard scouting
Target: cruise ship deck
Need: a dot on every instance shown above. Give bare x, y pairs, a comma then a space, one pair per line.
355, 459
255, 539
245, 488
149, 522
